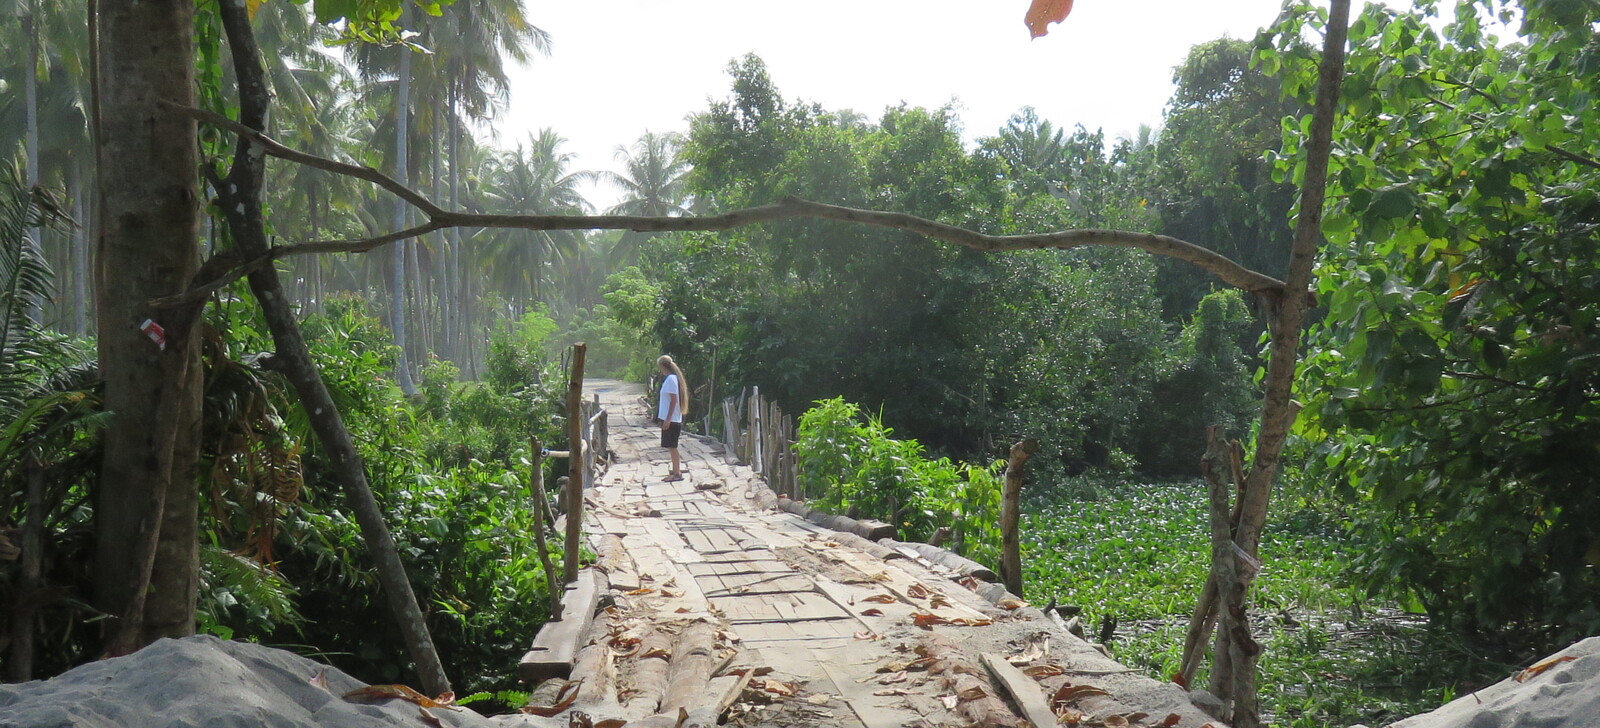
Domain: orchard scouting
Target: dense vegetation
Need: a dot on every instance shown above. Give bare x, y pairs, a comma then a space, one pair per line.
1443, 463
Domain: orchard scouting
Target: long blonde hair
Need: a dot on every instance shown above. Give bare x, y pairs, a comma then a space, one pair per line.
665, 362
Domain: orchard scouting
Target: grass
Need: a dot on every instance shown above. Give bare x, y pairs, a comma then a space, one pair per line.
1138, 553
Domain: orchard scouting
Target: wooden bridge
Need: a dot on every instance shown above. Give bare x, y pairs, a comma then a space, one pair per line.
709, 605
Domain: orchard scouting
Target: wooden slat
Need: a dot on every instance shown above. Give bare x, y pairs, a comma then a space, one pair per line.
557, 644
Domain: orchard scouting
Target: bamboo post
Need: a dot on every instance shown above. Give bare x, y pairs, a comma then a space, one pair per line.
755, 430
541, 508
576, 468
1011, 516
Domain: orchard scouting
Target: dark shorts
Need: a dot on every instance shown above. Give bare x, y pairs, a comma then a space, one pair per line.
669, 436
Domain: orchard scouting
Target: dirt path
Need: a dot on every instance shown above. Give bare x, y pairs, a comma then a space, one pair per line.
706, 587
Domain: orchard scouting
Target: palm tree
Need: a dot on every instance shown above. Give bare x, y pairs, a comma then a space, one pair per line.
534, 180
653, 183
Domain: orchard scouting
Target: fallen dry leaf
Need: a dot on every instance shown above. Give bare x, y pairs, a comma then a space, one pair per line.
779, 688
569, 693
938, 601
872, 613
881, 599
1009, 604
972, 693
399, 692
926, 621
918, 591
668, 593
818, 699
1067, 716
950, 701
893, 677
637, 592
1114, 721
1039, 671
970, 622
1538, 669
611, 723
1170, 721
320, 680
1069, 692
892, 691
868, 636
754, 671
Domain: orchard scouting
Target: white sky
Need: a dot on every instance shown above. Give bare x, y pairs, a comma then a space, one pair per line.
620, 67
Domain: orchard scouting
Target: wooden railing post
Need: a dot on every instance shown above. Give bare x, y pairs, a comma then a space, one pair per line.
578, 471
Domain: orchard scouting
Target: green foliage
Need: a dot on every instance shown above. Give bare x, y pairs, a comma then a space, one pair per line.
1210, 385
1451, 389
1138, 553
850, 466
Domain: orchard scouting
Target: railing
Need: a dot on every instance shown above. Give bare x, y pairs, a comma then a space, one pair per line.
758, 434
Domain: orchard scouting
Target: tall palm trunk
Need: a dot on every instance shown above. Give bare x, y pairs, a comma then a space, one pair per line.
397, 271
147, 564
81, 304
30, 95
453, 276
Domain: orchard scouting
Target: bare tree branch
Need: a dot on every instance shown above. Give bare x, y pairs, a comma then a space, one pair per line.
789, 208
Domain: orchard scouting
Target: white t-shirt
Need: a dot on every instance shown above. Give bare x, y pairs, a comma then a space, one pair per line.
670, 386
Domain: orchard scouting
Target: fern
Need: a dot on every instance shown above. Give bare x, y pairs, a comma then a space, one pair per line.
230, 581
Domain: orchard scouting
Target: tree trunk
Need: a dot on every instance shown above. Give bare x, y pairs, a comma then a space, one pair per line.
30, 96
80, 253
397, 270
147, 250
1011, 514
241, 197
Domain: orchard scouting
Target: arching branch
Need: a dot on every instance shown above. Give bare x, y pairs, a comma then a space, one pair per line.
1219, 265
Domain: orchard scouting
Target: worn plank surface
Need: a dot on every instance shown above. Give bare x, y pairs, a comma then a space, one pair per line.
735, 586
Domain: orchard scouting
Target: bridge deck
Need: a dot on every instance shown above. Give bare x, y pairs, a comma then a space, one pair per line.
709, 592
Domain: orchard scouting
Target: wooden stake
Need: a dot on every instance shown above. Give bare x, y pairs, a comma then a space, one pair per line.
575, 463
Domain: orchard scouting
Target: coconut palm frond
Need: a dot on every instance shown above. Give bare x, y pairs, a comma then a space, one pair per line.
24, 278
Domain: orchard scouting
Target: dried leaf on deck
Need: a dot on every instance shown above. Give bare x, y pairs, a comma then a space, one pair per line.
637, 592
320, 680
938, 601
1170, 721
668, 593
872, 613
1069, 692
881, 599
564, 699
926, 621
973, 693
682, 610
754, 671
1009, 604
1067, 716
779, 688
893, 677
1042, 671
1539, 669
868, 636
1035, 651
971, 622
1114, 721
891, 691
611, 723
918, 591
660, 652
818, 699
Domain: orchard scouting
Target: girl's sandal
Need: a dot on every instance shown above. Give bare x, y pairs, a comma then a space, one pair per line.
672, 478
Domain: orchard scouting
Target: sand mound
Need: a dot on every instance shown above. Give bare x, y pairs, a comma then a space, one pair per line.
204, 681
1566, 695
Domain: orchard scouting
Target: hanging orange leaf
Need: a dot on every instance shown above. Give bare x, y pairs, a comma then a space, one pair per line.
1044, 12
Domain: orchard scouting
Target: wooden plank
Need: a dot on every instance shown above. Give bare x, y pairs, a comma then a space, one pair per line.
557, 644
1024, 691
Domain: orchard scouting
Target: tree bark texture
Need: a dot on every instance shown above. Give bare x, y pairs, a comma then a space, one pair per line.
1011, 515
241, 197
147, 249
576, 464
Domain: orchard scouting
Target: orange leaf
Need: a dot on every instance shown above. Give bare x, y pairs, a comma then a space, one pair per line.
880, 599
926, 621
401, 692
1038, 671
1010, 604
1044, 12
1170, 721
918, 591
430, 718
569, 693
1069, 692
1178, 678
611, 723
1536, 670
872, 613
